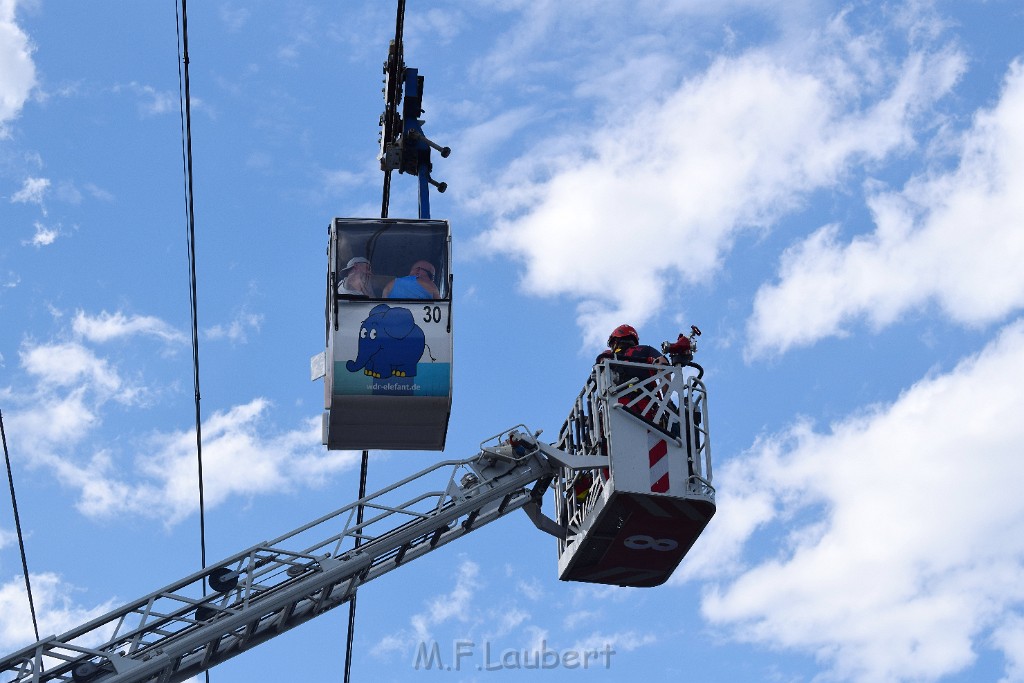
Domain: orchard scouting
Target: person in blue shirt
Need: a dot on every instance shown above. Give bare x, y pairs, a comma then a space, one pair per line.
418, 284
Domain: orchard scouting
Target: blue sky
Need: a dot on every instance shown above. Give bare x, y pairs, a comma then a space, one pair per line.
831, 191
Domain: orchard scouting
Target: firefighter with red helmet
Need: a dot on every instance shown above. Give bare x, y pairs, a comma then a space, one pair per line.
624, 344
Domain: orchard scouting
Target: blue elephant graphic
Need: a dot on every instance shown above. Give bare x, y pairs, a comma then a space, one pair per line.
390, 344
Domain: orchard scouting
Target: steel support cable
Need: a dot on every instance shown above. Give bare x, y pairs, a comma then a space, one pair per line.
389, 107
185, 108
17, 526
364, 466
387, 194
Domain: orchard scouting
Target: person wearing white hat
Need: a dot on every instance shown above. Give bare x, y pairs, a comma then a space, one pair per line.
356, 278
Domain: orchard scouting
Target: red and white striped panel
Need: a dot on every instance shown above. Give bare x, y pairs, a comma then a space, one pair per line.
657, 452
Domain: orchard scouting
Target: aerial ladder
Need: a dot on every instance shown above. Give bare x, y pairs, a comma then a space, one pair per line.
621, 529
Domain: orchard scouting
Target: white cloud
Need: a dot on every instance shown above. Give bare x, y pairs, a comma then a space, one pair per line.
70, 364
443, 25
476, 147
953, 238
234, 18
617, 214
56, 609
506, 621
44, 236
54, 420
17, 71
107, 326
57, 419
32, 191
442, 608
496, 623
153, 102
237, 330
454, 605
336, 181
98, 192
164, 483
67, 192
530, 589
1009, 638
622, 641
898, 535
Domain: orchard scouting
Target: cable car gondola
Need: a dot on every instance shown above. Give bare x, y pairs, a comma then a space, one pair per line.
388, 374
388, 365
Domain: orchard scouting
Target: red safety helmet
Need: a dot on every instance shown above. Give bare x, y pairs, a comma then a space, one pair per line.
623, 332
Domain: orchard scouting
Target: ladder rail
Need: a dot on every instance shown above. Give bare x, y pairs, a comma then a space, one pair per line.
174, 633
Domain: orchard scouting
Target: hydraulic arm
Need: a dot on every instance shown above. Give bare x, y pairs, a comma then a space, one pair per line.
178, 631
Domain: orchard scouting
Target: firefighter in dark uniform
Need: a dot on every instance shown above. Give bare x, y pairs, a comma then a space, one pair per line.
624, 344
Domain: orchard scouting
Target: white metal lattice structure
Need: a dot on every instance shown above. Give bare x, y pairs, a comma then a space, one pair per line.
631, 523
174, 633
